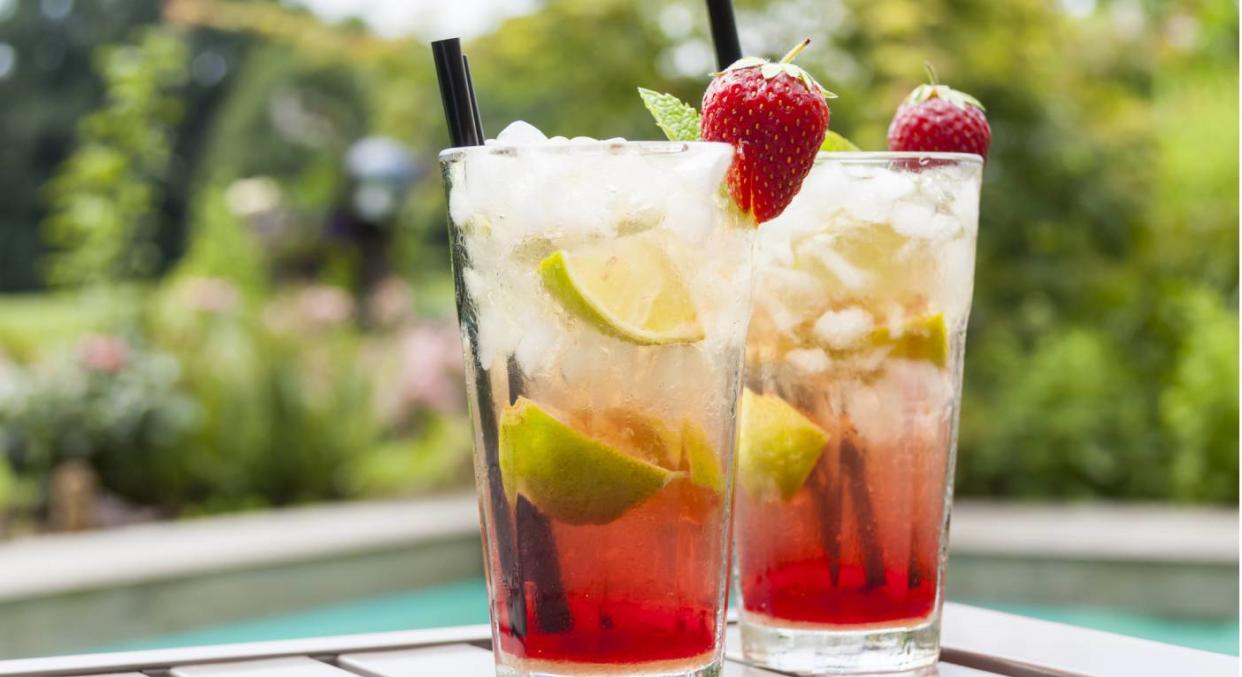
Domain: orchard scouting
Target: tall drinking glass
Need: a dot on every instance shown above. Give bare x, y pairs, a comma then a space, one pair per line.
853, 381
603, 292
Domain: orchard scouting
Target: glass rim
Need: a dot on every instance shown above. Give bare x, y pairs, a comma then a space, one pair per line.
601, 147
890, 156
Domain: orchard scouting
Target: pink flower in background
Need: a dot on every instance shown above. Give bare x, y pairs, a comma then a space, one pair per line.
392, 302
324, 306
210, 294
310, 308
431, 367
103, 353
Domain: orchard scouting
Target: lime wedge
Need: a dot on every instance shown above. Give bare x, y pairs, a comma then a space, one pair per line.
637, 433
704, 464
922, 338
779, 446
627, 288
835, 143
569, 476
646, 437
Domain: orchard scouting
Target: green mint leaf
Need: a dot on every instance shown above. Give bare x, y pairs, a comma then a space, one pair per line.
835, 143
678, 119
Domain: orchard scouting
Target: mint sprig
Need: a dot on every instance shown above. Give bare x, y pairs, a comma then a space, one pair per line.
678, 119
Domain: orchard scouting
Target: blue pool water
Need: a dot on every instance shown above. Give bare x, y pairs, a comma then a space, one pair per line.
465, 602
461, 603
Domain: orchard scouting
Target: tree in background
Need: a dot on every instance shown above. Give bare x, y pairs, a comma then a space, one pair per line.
105, 197
47, 86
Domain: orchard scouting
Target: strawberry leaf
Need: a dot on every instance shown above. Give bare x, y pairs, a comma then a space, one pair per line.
960, 99
678, 119
746, 62
835, 143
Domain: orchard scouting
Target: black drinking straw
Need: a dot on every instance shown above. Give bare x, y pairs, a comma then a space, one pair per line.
855, 476
474, 103
461, 112
537, 544
460, 109
724, 32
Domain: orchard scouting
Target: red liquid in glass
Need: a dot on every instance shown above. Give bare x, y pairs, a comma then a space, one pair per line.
859, 542
642, 588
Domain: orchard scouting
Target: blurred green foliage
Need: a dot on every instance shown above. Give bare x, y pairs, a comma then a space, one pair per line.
105, 197
106, 401
1102, 357
244, 404
281, 411
51, 84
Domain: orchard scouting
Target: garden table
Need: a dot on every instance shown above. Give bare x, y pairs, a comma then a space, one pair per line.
977, 643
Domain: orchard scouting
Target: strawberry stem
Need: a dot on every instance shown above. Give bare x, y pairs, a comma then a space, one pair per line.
793, 53
931, 73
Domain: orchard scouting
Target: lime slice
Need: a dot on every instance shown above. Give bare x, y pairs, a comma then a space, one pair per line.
835, 143
704, 464
648, 438
922, 338
779, 446
627, 288
635, 432
569, 476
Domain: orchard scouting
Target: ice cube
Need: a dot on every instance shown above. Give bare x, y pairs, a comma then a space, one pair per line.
572, 197
494, 337
778, 316
485, 186
956, 261
689, 195
691, 220
773, 248
794, 287
914, 219
476, 288
965, 204
520, 132
840, 329
912, 392
538, 346
895, 319
871, 200
702, 172
819, 252
786, 296
461, 208
870, 361
808, 361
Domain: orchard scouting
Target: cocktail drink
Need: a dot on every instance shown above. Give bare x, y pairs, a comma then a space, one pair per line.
603, 292
849, 415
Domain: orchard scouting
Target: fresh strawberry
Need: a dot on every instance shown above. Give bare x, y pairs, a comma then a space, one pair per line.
775, 116
936, 117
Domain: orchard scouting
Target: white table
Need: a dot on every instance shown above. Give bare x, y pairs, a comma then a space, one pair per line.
977, 643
